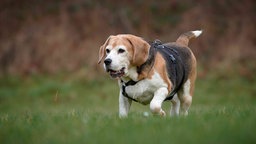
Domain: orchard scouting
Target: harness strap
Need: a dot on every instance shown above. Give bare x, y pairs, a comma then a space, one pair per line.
129, 83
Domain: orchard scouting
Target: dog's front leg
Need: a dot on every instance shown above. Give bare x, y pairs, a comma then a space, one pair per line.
124, 105
156, 102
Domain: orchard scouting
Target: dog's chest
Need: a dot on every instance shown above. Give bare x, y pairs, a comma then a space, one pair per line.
144, 90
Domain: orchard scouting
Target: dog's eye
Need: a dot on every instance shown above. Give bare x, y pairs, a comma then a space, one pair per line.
121, 51
107, 51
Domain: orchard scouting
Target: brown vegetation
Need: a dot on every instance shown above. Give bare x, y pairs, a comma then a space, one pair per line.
38, 36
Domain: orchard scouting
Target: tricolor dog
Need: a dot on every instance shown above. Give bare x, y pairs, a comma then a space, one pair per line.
151, 73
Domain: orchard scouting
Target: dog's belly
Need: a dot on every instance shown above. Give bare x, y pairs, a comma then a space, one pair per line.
144, 97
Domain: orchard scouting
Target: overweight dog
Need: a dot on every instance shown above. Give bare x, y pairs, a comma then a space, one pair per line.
151, 72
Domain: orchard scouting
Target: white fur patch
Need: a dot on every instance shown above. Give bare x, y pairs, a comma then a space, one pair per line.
156, 103
197, 32
175, 106
124, 105
133, 74
187, 88
186, 98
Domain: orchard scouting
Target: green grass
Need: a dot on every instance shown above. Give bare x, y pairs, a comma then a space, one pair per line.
76, 109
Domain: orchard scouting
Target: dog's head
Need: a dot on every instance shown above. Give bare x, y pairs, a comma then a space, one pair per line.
122, 52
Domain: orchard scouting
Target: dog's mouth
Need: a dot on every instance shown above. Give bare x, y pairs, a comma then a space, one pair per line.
115, 74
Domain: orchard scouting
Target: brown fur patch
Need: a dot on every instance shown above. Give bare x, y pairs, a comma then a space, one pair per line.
160, 67
192, 74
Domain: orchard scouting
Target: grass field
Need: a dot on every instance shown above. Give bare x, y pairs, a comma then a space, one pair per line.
76, 109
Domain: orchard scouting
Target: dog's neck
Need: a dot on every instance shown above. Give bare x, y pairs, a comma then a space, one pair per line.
132, 74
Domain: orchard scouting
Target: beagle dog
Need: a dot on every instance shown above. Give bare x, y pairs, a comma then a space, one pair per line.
151, 72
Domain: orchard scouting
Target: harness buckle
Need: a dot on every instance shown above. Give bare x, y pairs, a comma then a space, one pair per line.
173, 59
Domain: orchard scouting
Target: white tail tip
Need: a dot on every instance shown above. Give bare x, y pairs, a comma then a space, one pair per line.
197, 32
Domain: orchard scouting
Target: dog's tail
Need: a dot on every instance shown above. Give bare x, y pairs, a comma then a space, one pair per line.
184, 38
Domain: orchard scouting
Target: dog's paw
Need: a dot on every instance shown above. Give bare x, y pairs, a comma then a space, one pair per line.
122, 116
162, 113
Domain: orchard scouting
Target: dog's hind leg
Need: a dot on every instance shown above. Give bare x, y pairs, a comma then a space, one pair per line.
185, 98
175, 107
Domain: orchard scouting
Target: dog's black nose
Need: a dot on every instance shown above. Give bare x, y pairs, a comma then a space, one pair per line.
107, 61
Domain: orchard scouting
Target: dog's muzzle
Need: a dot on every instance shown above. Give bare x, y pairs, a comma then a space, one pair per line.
115, 74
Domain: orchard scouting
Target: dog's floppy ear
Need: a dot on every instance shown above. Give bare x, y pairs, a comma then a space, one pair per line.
140, 50
103, 49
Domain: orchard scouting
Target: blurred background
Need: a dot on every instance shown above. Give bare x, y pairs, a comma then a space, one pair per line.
53, 91
56, 36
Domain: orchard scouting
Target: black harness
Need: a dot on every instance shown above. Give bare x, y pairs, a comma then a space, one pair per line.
175, 67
